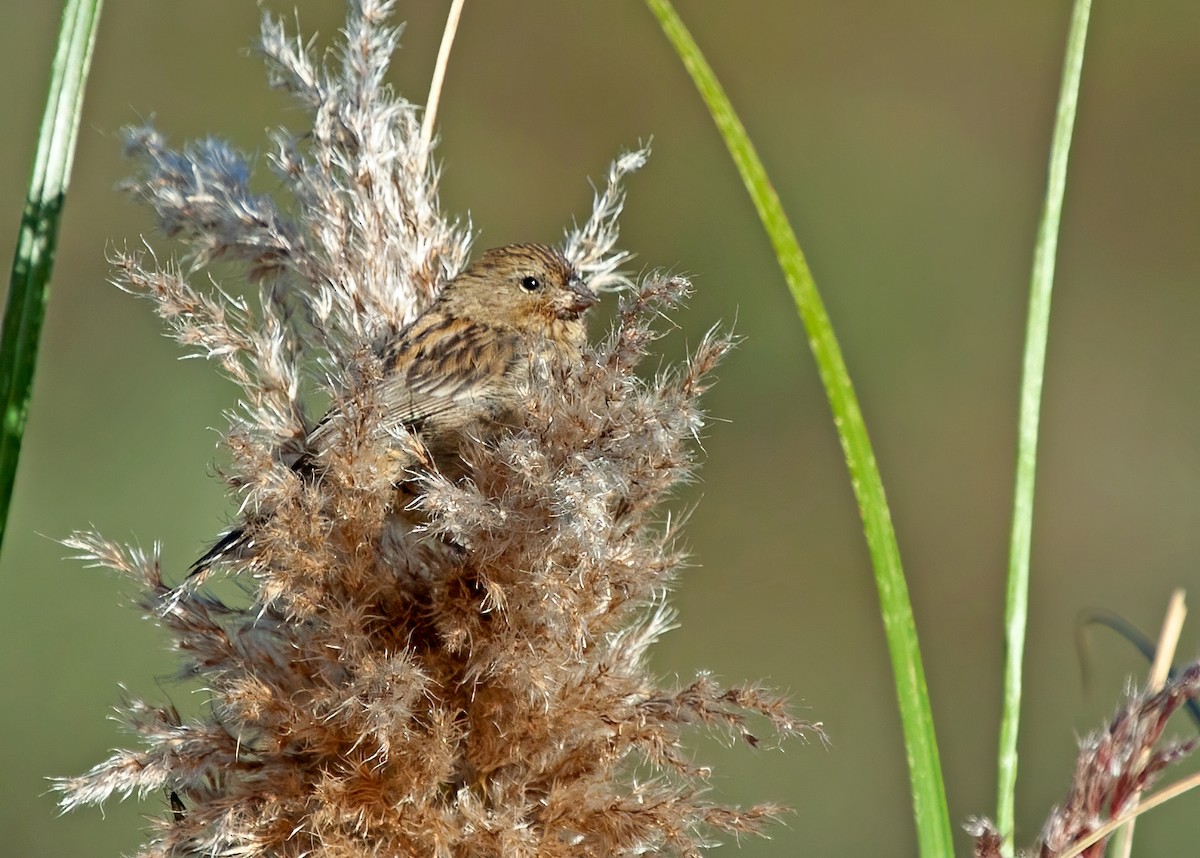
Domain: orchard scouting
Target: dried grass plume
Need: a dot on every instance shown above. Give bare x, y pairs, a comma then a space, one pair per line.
457, 669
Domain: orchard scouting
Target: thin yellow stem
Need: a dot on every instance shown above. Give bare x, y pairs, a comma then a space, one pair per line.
1168, 640
439, 78
1164, 657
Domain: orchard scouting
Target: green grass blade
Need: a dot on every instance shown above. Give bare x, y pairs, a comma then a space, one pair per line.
34, 257
1033, 372
929, 795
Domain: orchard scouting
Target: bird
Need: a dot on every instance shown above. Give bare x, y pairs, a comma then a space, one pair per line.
458, 367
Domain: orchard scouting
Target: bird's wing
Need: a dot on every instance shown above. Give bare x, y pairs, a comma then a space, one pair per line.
436, 384
451, 378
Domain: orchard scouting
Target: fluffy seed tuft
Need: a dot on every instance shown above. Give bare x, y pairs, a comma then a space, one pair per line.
455, 665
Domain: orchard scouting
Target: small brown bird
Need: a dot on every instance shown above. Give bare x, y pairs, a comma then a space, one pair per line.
458, 366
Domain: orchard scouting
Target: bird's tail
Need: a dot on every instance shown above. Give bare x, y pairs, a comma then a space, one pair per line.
236, 541
230, 543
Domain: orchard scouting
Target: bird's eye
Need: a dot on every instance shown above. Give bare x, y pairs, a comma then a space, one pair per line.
531, 284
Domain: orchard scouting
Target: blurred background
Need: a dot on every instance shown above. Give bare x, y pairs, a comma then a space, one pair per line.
908, 142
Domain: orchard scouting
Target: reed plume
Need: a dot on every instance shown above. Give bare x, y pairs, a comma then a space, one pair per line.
458, 667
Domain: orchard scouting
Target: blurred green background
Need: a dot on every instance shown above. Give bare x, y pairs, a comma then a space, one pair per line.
908, 142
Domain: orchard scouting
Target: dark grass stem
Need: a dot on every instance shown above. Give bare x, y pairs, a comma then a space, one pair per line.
34, 257
1033, 372
929, 797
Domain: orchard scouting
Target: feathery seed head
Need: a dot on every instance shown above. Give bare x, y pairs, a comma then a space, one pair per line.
456, 572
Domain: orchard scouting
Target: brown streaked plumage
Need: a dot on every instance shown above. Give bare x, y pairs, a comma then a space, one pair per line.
458, 365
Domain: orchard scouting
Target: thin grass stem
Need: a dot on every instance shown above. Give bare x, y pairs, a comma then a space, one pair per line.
1160, 671
1033, 373
439, 75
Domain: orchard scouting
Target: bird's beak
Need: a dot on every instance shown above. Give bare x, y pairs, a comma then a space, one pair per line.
581, 297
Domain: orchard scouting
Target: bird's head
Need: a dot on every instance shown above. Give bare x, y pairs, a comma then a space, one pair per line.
531, 288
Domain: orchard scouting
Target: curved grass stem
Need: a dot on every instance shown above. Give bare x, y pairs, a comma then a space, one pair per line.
928, 790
